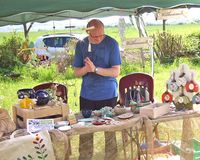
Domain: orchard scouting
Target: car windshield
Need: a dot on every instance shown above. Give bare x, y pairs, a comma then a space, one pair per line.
56, 41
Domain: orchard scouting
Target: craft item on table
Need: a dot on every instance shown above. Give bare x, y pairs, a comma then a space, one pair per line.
167, 97
196, 99
101, 121
42, 97
141, 90
54, 88
125, 115
86, 113
183, 95
133, 105
121, 109
192, 86
64, 128
182, 102
26, 103
97, 113
172, 108
182, 78
137, 94
72, 118
82, 123
147, 96
181, 81
86, 120
36, 125
106, 112
172, 85
155, 110
28, 92
61, 123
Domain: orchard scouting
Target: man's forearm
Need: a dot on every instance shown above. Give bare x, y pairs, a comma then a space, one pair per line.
79, 72
111, 72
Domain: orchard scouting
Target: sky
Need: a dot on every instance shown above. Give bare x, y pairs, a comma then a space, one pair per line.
149, 18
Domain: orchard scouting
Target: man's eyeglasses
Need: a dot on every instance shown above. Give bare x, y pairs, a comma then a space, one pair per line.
99, 36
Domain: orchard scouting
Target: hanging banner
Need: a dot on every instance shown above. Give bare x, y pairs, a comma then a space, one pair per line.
165, 14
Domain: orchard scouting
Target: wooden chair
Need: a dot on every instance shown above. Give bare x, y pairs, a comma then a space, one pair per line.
127, 83
60, 92
135, 79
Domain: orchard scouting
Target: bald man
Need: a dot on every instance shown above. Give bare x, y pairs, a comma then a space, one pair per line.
97, 60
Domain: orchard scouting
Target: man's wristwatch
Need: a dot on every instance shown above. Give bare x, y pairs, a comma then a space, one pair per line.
96, 70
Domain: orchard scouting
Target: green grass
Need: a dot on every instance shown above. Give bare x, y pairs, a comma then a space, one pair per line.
130, 31
8, 88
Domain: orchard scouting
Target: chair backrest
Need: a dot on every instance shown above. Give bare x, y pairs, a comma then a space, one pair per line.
60, 92
135, 79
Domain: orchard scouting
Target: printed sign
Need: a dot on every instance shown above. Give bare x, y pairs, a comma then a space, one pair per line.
36, 125
164, 14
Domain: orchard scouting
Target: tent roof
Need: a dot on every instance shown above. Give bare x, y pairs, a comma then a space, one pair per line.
23, 11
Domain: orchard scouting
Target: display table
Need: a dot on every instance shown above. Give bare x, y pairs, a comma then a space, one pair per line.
119, 125
187, 135
129, 126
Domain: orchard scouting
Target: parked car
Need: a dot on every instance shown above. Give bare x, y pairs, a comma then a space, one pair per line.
47, 46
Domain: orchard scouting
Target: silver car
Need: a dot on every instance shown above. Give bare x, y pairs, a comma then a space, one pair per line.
48, 46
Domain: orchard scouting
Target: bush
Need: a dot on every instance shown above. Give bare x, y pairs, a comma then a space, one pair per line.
192, 45
168, 47
8, 53
44, 73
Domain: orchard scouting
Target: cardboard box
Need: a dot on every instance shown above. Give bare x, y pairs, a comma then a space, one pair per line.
155, 110
57, 113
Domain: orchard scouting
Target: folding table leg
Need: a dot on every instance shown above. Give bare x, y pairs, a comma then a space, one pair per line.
124, 140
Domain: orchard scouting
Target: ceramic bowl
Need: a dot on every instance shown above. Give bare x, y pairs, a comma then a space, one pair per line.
29, 92
86, 113
42, 97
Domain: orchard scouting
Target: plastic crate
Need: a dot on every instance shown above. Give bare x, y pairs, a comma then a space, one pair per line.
176, 148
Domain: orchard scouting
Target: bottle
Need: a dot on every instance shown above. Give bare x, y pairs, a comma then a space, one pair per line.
147, 98
26, 103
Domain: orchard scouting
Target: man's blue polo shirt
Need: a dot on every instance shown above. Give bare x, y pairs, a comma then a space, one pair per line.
103, 55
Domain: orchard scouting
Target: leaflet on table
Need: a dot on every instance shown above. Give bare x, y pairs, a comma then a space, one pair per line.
36, 125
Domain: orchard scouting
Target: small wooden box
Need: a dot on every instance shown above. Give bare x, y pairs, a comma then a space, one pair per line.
58, 113
155, 110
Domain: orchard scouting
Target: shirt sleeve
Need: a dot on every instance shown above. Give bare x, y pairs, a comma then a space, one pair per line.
115, 57
78, 57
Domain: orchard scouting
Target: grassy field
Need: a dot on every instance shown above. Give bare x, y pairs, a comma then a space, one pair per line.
8, 88
182, 29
